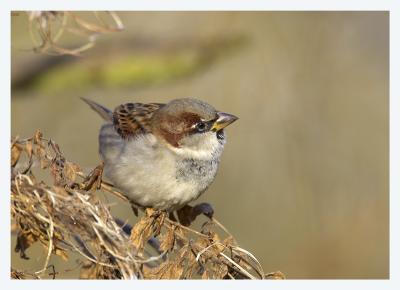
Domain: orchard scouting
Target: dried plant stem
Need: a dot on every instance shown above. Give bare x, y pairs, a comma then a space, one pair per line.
47, 27
67, 216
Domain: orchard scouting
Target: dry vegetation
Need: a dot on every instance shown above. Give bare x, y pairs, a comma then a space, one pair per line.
47, 27
68, 216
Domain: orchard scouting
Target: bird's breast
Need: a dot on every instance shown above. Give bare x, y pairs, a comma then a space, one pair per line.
200, 172
151, 174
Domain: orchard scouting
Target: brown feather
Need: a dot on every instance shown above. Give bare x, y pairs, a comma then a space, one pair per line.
173, 128
134, 118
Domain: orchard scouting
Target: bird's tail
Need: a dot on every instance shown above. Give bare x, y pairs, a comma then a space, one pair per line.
105, 113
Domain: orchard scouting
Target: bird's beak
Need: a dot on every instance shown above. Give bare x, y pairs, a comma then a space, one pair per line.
223, 120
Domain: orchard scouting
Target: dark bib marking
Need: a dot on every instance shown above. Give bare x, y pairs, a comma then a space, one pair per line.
198, 171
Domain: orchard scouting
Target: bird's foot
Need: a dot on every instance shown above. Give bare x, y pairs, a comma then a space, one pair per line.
203, 208
188, 214
172, 217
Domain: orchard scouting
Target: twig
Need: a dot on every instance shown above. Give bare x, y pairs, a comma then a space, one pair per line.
69, 217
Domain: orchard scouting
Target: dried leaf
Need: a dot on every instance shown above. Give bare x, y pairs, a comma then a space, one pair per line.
83, 221
93, 179
141, 233
57, 170
59, 190
29, 149
193, 267
168, 239
278, 275
200, 245
15, 154
44, 163
37, 138
88, 270
22, 275
214, 236
150, 211
158, 220
14, 227
175, 271
219, 248
229, 241
70, 170
220, 270
40, 151
24, 241
167, 270
61, 253
205, 275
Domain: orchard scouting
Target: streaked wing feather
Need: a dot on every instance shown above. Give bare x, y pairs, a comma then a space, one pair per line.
134, 118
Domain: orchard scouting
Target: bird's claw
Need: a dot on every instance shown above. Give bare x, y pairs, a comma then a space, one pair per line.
203, 208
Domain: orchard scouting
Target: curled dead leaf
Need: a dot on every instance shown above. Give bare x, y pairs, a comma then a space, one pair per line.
277, 275
168, 239
88, 270
167, 270
229, 241
205, 275
192, 252
70, 171
15, 154
29, 149
24, 241
220, 270
40, 151
141, 233
37, 138
61, 253
93, 179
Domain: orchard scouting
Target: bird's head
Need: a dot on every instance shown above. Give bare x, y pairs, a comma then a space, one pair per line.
191, 127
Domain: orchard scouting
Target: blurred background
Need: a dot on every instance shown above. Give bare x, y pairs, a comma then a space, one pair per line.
303, 182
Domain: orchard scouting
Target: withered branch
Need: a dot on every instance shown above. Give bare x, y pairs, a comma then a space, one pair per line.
66, 215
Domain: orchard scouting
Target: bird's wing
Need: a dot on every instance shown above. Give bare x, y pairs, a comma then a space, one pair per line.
134, 118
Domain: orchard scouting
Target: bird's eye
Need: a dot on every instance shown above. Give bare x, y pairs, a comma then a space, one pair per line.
201, 127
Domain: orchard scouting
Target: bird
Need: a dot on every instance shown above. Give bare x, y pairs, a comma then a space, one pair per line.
162, 155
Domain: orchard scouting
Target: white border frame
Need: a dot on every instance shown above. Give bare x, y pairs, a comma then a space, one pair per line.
203, 5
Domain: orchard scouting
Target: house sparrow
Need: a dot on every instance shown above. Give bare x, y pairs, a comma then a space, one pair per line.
162, 155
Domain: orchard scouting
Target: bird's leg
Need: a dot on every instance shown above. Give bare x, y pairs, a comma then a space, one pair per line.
185, 215
188, 214
172, 217
134, 208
